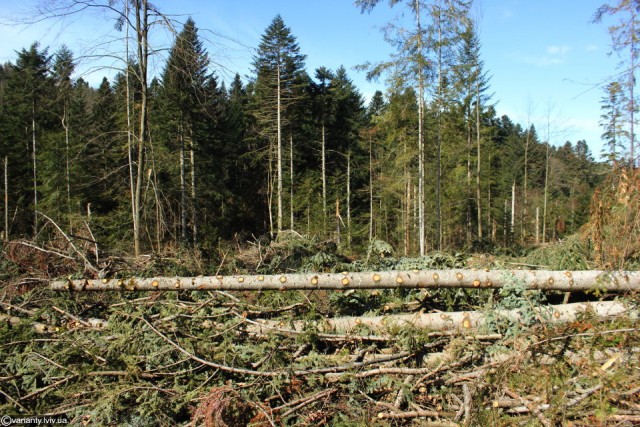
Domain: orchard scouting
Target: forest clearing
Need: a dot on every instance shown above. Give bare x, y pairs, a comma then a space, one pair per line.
185, 248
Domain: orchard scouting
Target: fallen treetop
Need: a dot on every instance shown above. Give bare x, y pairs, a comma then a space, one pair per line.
616, 281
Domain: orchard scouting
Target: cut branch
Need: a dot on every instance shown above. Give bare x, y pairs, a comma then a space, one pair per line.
567, 281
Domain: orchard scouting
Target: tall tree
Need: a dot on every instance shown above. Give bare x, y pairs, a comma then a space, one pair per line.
624, 36
449, 19
30, 84
324, 113
184, 87
278, 66
411, 63
63, 68
614, 134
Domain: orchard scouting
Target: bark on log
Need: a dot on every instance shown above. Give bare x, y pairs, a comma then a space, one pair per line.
567, 281
469, 320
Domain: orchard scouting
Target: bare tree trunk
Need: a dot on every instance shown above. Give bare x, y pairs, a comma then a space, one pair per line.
525, 180
183, 188
546, 195
469, 187
279, 155
439, 139
537, 225
194, 199
338, 221
525, 207
130, 129
142, 29
65, 126
448, 321
421, 154
349, 198
270, 189
6, 198
370, 188
408, 215
513, 209
478, 165
324, 179
35, 166
291, 219
416, 279
632, 84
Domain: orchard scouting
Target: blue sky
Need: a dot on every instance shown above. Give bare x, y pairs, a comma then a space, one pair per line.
547, 62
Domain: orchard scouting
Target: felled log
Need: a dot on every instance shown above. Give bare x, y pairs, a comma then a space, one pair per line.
566, 281
469, 320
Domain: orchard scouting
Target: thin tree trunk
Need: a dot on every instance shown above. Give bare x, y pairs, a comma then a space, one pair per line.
324, 180
65, 125
6, 198
537, 225
460, 320
183, 187
291, 219
349, 198
632, 160
546, 194
513, 209
478, 164
270, 188
130, 129
422, 279
469, 187
35, 166
194, 199
142, 17
279, 155
525, 181
421, 154
370, 188
439, 139
338, 221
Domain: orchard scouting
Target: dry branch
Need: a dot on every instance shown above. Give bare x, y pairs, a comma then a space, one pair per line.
462, 278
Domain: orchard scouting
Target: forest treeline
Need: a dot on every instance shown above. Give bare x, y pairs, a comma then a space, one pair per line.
149, 163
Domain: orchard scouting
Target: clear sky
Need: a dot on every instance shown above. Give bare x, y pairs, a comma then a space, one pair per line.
547, 61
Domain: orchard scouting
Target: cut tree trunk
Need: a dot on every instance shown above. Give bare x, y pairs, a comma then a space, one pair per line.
566, 281
470, 320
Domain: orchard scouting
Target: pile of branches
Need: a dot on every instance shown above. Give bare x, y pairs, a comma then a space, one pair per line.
180, 358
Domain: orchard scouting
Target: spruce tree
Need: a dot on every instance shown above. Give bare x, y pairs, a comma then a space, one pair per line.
279, 69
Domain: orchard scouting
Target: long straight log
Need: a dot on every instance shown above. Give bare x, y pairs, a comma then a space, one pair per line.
416, 279
460, 321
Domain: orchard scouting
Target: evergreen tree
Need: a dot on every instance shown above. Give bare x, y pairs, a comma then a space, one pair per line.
279, 69
625, 42
29, 91
186, 95
612, 122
